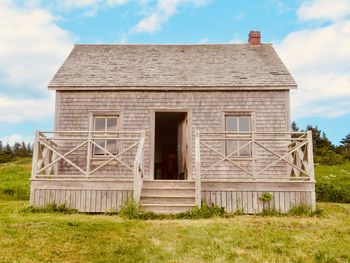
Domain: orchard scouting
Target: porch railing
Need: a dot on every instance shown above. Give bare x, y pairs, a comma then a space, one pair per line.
290, 151
70, 154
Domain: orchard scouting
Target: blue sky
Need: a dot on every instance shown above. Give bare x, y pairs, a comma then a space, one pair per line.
311, 36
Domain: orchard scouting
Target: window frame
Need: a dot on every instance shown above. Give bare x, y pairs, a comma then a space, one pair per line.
106, 115
251, 116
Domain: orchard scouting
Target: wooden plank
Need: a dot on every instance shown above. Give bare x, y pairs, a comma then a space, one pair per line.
62, 197
250, 202
276, 200
103, 204
90, 201
212, 198
234, 201
297, 199
82, 207
308, 199
229, 201
93, 201
240, 201
114, 200
287, 202
282, 206
207, 197
245, 201
119, 199
223, 200
98, 199
255, 202
260, 203
292, 199
218, 198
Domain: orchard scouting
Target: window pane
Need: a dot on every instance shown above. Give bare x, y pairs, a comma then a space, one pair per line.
97, 150
245, 151
231, 146
112, 146
231, 123
111, 124
244, 124
100, 124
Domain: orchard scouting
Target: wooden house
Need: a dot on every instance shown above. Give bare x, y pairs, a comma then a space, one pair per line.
171, 126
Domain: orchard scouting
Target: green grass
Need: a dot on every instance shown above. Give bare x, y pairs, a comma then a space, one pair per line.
333, 183
27, 236
14, 180
59, 237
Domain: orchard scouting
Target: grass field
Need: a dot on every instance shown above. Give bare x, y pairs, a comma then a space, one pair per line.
53, 237
50, 237
14, 179
333, 183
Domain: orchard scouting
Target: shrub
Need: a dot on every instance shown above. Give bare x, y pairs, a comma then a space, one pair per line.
328, 157
330, 192
204, 211
265, 197
131, 210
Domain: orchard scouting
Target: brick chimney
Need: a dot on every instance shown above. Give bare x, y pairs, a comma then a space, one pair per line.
254, 38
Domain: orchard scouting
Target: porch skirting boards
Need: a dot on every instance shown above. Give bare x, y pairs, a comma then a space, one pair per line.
95, 196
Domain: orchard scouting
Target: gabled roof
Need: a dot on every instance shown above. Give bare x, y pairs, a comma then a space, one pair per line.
172, 67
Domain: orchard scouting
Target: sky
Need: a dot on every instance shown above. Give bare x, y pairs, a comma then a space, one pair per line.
311, 36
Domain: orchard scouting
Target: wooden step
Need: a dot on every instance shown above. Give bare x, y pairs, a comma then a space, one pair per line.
153, 199
168, 196
167, 209
165, 192
174, 184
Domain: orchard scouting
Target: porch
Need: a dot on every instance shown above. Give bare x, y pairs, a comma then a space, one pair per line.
66, 169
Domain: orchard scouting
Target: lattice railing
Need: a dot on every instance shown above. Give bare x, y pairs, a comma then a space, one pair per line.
71, 153
267, 155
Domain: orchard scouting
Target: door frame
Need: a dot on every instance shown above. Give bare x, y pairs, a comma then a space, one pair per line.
153, 139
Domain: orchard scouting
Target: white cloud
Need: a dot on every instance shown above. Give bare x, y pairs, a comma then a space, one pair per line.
161, 13
11, 139
32, 46
16, 110
116, 2
318, 59
324, 10
93, 4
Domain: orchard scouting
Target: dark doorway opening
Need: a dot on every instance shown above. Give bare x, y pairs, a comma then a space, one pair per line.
170, 158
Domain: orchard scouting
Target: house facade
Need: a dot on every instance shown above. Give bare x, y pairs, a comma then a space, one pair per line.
172, 126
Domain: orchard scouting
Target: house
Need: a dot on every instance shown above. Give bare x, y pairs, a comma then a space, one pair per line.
171, 126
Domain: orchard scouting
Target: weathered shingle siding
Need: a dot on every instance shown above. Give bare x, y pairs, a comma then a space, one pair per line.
170, 67
271, 109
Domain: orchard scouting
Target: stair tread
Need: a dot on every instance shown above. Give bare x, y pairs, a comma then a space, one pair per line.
167, 181
166, 196
169, 205
169, 187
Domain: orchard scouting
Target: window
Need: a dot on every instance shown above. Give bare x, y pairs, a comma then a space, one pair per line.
238, 123
105, 123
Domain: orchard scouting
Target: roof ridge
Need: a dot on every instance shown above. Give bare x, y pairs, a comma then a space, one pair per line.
186, 44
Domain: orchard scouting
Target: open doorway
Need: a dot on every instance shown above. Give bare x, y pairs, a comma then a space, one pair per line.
171, 146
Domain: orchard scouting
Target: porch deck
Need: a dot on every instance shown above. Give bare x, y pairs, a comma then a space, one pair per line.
65, 170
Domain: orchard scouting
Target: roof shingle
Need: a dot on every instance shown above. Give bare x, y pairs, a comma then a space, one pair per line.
215, 66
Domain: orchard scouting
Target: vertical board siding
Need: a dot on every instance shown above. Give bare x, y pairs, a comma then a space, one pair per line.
248, 201
90, 201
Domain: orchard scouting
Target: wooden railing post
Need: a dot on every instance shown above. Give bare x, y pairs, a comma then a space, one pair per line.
253, 154
35, 155
88, 157
310, 161
198, 170
138, 162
